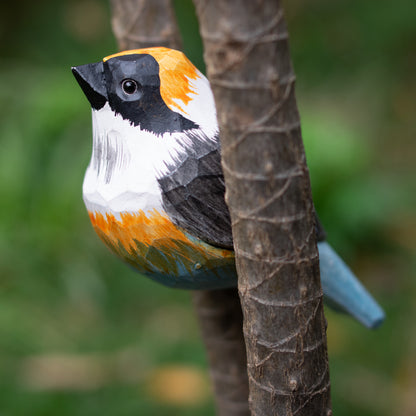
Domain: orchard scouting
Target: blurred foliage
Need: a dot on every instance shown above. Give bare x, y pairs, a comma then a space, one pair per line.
80, 333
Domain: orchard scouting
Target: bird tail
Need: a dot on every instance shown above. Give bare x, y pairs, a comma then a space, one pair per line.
343, 291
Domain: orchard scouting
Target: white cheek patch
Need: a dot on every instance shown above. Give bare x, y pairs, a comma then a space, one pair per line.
201, 108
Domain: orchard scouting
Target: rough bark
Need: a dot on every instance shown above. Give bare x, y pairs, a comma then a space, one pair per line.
268, 193
146, 23
221, 322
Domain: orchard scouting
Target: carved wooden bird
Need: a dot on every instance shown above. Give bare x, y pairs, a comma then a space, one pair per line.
154, 188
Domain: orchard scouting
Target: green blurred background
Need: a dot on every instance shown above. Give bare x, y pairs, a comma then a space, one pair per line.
80, 333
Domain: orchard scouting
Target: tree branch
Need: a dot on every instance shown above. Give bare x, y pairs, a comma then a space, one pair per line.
269, 196
221, 323
144, 23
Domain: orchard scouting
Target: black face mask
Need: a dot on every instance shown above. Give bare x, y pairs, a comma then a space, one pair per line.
131, 86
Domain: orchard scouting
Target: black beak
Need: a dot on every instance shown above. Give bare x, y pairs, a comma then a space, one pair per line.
91, 79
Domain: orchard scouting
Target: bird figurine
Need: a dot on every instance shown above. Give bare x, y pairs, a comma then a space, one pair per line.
154, 188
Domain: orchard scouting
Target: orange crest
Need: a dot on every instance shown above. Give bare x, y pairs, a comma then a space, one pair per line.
175, 72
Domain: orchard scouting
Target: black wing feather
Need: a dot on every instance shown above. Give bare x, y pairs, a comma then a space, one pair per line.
193, 192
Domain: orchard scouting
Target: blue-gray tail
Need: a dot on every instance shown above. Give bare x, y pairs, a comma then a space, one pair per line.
343, 290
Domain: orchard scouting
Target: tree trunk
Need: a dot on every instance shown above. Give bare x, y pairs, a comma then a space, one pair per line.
269, 196
146, 23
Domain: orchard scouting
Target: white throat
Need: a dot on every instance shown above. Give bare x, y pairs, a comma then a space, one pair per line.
125, 164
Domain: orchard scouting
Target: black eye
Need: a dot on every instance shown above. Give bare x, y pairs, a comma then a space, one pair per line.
129, 86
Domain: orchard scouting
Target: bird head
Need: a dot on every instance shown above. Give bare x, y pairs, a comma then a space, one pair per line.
157, 89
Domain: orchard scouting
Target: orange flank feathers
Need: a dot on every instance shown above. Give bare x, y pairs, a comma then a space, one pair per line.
153, 244
176, 73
